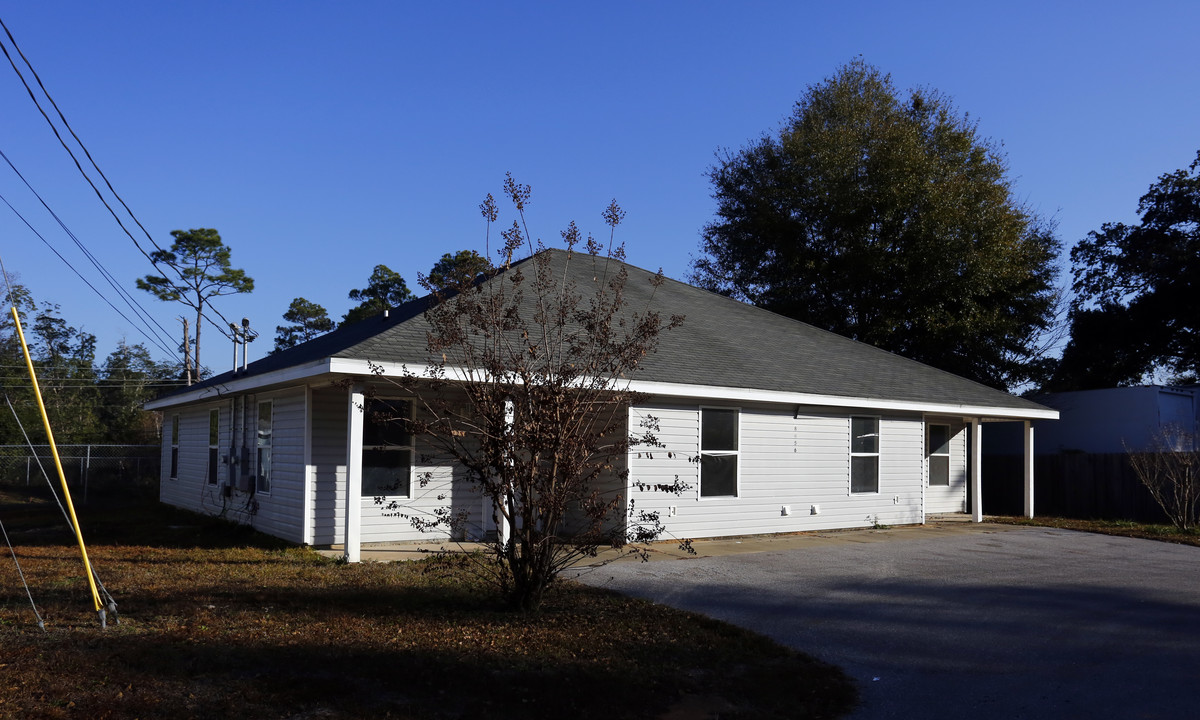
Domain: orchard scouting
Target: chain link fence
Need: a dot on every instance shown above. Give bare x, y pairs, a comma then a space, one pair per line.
88, 468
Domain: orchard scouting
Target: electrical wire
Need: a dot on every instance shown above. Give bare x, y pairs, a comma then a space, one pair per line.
111, 604
153, 340
220, 327
125, 295
24, 582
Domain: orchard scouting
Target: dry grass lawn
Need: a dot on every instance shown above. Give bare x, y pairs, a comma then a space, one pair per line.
1123, 528
219, 621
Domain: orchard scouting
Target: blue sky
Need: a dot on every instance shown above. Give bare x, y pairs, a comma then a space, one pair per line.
322, 139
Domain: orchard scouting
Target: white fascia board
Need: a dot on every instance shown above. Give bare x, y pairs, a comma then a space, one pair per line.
714, 392
362, 366
793, 398
243, 384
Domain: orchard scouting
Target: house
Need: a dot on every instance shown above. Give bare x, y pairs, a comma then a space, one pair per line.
1117, 420
794, 428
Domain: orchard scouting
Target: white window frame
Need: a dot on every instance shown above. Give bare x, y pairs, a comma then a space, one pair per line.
411, 448
173, 470
736, 454
262, 486
930, 454
214, 447
876, 454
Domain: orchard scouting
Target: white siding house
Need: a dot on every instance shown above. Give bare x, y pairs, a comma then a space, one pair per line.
1117, 420
773, 425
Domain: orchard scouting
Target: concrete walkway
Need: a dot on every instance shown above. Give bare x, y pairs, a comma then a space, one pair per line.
936, 526
960, 620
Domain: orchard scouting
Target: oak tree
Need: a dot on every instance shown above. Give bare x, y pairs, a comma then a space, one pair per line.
1137, 304
886, 218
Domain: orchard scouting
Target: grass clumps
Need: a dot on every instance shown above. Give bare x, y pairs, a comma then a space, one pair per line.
216, 620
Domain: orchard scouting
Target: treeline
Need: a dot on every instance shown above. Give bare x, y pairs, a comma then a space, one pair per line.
88, 399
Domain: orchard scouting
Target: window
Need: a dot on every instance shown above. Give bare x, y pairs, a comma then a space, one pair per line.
718, 452
387, 448
262, 479
864, 455
939, 455
214, 440
175, 447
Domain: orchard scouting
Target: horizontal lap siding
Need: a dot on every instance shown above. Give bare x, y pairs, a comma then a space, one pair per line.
281, 510
329, 466
378, 523
433, 486
783, 461
954, 498
191, 490
901, 473
381, 524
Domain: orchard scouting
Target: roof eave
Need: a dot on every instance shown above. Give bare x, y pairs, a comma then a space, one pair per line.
990, 412
243, 384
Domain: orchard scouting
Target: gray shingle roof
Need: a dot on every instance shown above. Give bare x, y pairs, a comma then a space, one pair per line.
722, 343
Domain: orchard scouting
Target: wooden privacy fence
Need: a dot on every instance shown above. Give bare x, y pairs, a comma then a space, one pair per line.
1074, 485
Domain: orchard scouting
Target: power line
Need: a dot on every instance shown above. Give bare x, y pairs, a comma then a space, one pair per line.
129, 300
156, 341
220, 327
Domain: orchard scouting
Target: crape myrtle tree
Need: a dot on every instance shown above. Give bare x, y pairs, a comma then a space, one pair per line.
1170, 470
886, 218
526, 393
200, 262
1137, 304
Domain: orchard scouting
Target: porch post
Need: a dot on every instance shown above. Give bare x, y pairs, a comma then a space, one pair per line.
352, 539
976, 470
1028, 469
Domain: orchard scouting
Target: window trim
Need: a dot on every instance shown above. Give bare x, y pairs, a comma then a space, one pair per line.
258, 446
736, 454
930, 454
411, 447
876, 454
173, 470
214, 445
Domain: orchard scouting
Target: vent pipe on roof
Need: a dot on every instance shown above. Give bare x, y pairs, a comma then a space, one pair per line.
233, 331
248, 336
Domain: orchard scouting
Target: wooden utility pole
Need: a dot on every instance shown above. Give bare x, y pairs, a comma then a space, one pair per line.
187, 350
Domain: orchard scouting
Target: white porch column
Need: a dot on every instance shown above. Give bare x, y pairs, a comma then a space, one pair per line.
1028, 469
310, 471
352, 540
504, 528
976, 470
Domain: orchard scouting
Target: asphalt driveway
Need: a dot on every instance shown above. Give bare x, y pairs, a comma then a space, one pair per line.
985, 622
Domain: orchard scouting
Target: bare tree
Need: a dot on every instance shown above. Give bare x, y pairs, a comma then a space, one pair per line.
527, 393
1171, 472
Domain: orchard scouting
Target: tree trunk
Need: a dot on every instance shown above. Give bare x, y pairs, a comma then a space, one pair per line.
199, 321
